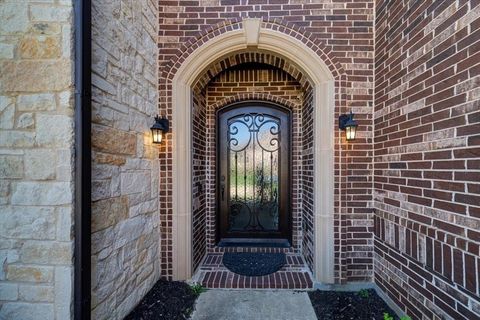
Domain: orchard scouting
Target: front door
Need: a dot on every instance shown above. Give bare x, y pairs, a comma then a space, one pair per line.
253, 171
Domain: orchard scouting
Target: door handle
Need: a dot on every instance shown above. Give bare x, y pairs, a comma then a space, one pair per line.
222, 187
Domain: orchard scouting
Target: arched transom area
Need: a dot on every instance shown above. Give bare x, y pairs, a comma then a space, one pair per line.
252, 57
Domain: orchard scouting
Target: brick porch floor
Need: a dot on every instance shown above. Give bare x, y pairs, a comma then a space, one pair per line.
294, 275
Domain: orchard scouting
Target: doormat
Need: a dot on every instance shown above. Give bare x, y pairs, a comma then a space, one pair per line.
254, 264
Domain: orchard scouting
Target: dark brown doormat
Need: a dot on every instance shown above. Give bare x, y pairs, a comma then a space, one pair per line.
167, 300
253, 264
362, 305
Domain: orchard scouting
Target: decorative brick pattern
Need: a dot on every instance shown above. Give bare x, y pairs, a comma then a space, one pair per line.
342, 35
427, 172
246, 58
244, 96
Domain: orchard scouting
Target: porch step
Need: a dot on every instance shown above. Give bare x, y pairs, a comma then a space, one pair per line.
294, 275
286, 250
254, 243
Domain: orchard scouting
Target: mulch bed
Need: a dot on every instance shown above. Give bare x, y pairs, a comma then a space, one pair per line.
167, 300
336, 305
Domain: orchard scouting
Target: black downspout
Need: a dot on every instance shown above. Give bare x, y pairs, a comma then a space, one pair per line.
83, 209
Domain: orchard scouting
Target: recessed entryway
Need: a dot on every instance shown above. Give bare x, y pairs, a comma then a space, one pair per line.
314, 198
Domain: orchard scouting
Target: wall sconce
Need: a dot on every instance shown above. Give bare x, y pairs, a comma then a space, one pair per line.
346, 123
161, 126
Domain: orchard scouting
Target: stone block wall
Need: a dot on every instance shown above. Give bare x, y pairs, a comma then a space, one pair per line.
125, 232
427, 167
36, 159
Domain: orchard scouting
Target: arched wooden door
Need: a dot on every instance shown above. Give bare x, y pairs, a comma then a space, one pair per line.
253, 164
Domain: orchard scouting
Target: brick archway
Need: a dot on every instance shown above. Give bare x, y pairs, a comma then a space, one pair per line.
169, 70
246, 57
283, 42
253, 96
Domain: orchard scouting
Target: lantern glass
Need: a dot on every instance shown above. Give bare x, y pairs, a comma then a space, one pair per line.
350, 132
160, 127
157, 135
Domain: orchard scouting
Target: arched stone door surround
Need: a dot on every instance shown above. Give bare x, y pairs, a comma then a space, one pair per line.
254, 33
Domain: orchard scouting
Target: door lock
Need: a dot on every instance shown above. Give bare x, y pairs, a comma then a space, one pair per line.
222, 188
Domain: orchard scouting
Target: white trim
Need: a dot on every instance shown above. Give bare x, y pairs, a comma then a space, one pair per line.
323, 82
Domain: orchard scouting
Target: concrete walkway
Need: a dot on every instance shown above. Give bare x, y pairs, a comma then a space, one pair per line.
218, 304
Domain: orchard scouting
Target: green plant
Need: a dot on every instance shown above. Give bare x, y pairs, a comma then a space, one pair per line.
363, 293
197, 289
405, 318
387, 316
188, 312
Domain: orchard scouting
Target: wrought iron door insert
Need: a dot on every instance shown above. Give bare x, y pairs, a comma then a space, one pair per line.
253, 175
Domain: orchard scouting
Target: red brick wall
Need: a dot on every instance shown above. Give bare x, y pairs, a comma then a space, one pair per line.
199, 179
307, 195
427, 167
342, 34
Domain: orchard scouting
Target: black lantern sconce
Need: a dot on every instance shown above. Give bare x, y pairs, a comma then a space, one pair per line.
346, 123
159, 128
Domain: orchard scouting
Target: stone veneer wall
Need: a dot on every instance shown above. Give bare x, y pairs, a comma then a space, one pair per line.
343, 31
427, 167
36, 159
125, 220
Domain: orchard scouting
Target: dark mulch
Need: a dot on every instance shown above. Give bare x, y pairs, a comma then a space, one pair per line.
253, 264
167, 300
335, 305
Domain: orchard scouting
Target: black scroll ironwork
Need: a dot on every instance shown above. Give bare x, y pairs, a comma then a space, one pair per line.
253, 164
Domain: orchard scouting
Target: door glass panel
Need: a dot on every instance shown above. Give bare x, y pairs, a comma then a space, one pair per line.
253, 168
